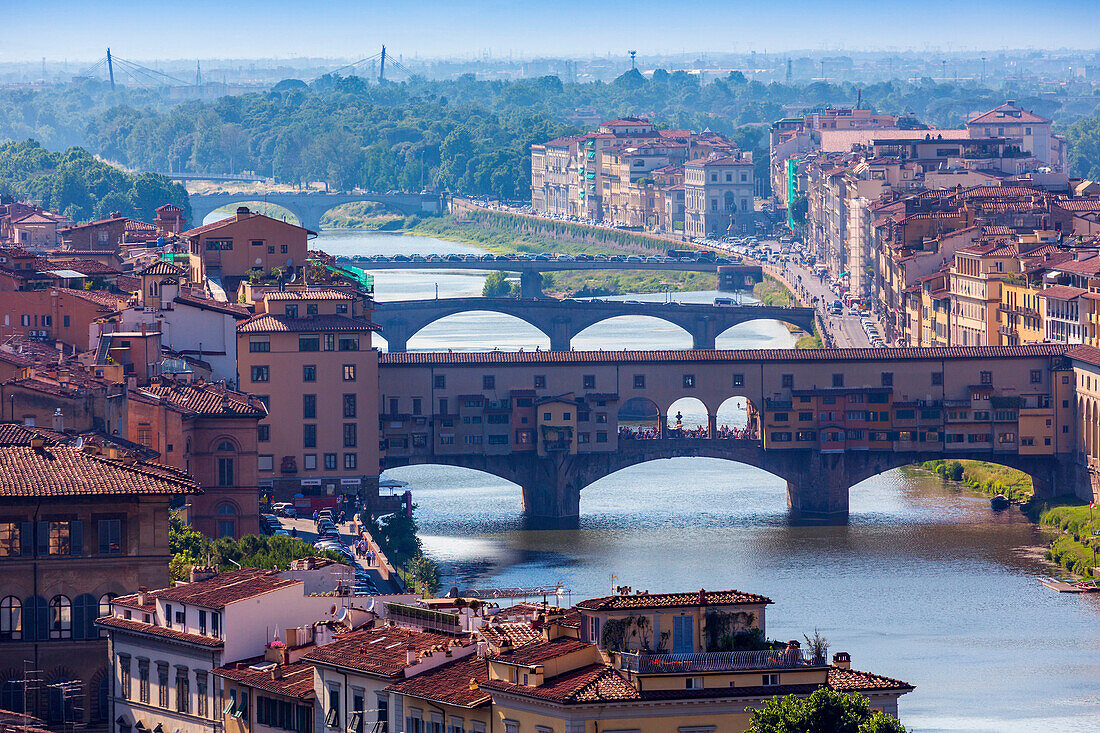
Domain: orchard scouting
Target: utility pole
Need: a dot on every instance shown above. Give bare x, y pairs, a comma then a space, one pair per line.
632, 55
382, 67
111, 69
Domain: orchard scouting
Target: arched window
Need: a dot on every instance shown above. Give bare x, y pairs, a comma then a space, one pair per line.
227, 520
61, 618
63, 694
11, 620
11, 696
85, 612
36, 625
105, 609
153, 288
225, 463
103, 698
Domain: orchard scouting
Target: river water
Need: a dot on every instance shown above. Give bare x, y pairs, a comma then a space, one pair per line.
924, 584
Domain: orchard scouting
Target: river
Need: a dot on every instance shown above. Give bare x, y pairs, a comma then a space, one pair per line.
925, 583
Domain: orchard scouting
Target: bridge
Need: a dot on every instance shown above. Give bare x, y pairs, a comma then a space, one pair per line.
531, 267
821, 419
310, 206
561, 320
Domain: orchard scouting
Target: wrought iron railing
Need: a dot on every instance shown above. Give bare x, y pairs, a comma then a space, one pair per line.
715, 661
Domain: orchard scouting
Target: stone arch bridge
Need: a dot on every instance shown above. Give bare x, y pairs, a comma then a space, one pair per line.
561, 320
310, 206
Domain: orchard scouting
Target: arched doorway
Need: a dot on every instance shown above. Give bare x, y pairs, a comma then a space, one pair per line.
639, 418
687, 417
738, 417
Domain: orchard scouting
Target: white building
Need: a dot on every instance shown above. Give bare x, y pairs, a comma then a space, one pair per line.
164, 644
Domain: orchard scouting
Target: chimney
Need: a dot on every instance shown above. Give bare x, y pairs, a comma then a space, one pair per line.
142, 594
242, 213
842, 660
410, 656
200, 572
58, 421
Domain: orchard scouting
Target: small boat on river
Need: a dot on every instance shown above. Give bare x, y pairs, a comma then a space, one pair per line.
999, 502
1084, 586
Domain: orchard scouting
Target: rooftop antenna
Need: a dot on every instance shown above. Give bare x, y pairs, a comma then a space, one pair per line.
632, 55
111, 69
198, 73
382, 67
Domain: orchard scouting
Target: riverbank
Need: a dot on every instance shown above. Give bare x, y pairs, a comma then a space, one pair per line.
985, 478
774, 292
507, 234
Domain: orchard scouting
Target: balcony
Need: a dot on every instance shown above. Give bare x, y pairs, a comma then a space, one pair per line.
424, 618
642, 663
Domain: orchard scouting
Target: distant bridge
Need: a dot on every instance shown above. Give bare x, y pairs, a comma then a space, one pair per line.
310, 206
530, 268
561, 320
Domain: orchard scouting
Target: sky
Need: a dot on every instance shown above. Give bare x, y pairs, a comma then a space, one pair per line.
199, 29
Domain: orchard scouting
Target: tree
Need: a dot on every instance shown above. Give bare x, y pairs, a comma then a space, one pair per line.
497, 285
824, 711
423, 574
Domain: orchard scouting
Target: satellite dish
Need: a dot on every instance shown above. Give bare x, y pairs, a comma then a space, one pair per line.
79, 443
259, 261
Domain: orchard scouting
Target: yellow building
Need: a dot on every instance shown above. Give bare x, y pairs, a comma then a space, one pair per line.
976, 292
1021, 311
269, 694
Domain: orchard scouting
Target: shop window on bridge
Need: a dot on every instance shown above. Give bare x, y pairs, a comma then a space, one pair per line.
738, 380
805, 416
929, 414
781, 417
788, 381
986, 377
838, 380
689, 381
905, 436
601, 437
419, 441
981, 414
905, 414
1036, 376
589, 381
955, 438
540, 381
1006, 438
781, 437
1029, 441
639, 381
880, 398
498, 440
806, 435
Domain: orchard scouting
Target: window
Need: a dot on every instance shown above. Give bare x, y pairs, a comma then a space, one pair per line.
601, 437
540, 381
439, 382
418, 407
259, 347
309, 343
291, 310
201, 695
1036, 376
349, 343
788, 381
10, 545
265, 462
215, 624
693, 683
350, 437
65, 320
937, 379
61, 618
257, 243
351, 460
738, 380
838, 380
309, 461
330, 461
332, 717
309, 407
588, 381
110, 536
770, 680
11, 619
986, 377
143, 680
183, 691
887, 379
689, 381
639, 381
225, 471
349, 405
263, 433
309, 435
261, 373
309, 373
330, 342
349, 372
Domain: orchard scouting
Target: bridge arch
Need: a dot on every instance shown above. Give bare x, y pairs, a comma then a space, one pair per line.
485, 333
764, 332
657, 333
256, 205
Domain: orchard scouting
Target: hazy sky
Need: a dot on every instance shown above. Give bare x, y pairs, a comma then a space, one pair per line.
186, 29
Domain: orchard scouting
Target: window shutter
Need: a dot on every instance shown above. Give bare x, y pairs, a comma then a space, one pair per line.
26, 538
43, 537
76, 536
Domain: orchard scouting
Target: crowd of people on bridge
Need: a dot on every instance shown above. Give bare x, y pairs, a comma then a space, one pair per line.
724, 432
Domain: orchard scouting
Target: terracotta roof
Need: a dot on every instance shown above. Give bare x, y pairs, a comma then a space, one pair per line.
1062, 292
270, 323
672, 600
138, 627
202, 399
231, 220
722, 160
999, 115
515, 634
82, 265
61, 470
1091, 266
537, 653
226, 588
591, 684
571, 619
450, 684
379, 651
1088, 354
1082, 204
19, 434
160, 267
852, 680
114, 301
295, 679
219, 306
715, 355
308, 295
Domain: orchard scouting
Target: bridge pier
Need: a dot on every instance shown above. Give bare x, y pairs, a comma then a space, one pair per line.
396, 333
530, 285
817, 486
561, 333
551, 492
703, 333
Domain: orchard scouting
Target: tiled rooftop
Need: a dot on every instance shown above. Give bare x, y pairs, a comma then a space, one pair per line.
131, 625
433, 358
539, 652
380, 651
672, 600
295, 679
450, 684
201, 399
590, 684
852, 680
515, 634
226, 588
269, 323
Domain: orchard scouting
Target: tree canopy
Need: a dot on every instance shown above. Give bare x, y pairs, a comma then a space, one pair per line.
824, 711
80, 186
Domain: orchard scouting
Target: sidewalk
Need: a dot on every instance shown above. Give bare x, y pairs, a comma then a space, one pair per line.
382, 572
